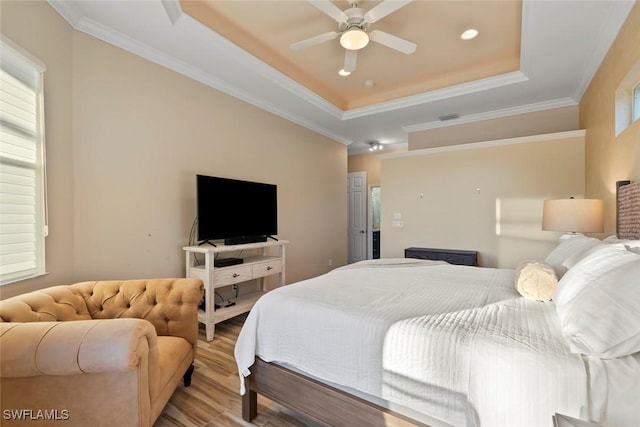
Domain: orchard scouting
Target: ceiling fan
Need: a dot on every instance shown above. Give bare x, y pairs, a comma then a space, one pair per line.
353, 29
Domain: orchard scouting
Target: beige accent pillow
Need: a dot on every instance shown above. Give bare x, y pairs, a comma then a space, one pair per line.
535, 280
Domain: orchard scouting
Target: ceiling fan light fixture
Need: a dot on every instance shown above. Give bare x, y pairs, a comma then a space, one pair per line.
354, 39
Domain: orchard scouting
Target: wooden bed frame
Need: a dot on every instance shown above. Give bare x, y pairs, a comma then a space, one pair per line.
318, 401
334, 407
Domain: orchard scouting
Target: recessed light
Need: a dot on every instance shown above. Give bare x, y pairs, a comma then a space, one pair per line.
469, 34
344, 73
369, 83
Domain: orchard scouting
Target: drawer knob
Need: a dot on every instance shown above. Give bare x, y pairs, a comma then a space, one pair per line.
235, 274
269, 268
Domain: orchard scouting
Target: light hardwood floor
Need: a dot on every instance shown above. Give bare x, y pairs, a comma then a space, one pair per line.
213, 398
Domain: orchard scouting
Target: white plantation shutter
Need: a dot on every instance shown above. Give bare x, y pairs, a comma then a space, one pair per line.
22, 188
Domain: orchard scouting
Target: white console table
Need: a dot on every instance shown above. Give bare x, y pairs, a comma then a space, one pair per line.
253, 267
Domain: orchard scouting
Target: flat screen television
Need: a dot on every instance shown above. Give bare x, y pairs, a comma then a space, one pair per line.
235, 211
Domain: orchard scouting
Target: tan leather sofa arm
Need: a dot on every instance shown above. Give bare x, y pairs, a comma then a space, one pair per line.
78, 347
171, 305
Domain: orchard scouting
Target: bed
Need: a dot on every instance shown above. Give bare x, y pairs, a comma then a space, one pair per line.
436, 344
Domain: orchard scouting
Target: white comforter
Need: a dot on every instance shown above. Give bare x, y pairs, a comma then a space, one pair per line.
453, 342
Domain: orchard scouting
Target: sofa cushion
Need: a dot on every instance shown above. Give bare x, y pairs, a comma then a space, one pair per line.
58, 303
176, 355
169, 304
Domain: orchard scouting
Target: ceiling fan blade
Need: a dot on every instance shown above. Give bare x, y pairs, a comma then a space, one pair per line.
383, 9
330, 9
350, 60
389, 40
312, 41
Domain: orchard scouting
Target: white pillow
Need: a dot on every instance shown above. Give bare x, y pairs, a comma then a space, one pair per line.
570, 247
577, 257
535, 280
634, 249
598, 303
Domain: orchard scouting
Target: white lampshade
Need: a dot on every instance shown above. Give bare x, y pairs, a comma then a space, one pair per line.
354, 39
573, 215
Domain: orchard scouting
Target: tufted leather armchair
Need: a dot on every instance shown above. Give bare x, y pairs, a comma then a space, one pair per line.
107, 353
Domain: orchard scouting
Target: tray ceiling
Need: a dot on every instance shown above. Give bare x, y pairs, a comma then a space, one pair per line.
267, 28
530, 55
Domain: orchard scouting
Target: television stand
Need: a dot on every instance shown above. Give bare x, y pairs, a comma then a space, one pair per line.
270, 260
224, 304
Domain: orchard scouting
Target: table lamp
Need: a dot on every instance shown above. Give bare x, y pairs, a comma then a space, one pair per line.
574, 216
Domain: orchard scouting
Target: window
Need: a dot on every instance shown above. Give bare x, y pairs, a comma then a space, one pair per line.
22, 176
628, 100
636, 102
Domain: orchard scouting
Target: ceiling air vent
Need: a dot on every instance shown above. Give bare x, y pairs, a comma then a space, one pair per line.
449, 117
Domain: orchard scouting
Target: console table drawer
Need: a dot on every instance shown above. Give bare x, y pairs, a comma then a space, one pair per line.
267, 268
452, 256
230, 275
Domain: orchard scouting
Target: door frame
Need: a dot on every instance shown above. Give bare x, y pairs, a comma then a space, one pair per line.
370, 221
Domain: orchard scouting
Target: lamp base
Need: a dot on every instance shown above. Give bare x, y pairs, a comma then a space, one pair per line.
571, 235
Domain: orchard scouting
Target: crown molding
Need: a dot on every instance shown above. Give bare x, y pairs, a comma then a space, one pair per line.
527, 33
67, 10
284, 82
113, 37
488, 144
273, 91
495, 114
173, 9
438, 94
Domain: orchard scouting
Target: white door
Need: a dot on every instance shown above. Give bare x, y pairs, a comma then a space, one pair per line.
357, 216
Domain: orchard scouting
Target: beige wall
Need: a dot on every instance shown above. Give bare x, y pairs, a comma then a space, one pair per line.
38, 29
486, 199
369, 163
534, 123
610, 158
136, 134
